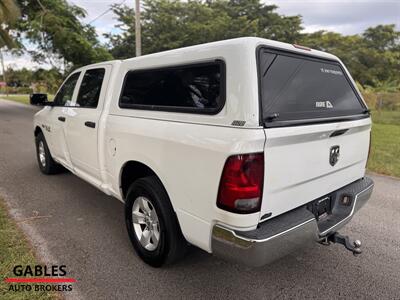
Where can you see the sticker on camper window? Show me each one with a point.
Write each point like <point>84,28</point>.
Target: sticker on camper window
<point>330,71</point>
<point>323,104</point>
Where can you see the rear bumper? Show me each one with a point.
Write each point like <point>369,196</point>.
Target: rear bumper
<point>290,231</point>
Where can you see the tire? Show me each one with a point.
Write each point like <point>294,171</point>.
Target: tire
<point>148,195</point>
<point>46,163</point>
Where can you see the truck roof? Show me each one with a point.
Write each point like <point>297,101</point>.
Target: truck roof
<point>243,42</point>
<point>237,44</point>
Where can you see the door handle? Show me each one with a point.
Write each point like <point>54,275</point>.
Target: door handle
<point>90,124</point>
<point>62,119</point>
<point>338,132</point>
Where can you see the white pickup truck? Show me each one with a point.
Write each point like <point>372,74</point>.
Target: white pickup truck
<point>246,148</point>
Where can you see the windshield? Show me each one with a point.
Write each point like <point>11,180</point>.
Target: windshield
<point>295,87</point>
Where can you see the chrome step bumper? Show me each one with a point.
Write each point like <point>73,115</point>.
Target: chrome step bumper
<point>290,231</point>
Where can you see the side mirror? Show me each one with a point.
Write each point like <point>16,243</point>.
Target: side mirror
<point>39,99</point>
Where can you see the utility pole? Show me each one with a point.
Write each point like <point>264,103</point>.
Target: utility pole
<point>4,71</point>
<point>138,35</point>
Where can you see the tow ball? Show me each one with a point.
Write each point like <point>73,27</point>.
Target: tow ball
<point>354,247</point>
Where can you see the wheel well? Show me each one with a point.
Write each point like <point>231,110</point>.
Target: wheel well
<point>131,171</point>
<point>37,130</point>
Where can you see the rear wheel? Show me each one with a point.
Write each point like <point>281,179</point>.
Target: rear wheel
<point>46,163</point>
<point>152,224</point>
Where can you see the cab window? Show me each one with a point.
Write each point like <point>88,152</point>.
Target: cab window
<point>64,95</point>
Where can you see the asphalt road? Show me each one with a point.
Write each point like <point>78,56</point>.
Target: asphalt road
<point>84,229</point>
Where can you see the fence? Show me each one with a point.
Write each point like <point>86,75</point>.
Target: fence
<point>382,101</point>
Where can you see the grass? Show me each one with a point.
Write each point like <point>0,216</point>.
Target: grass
<point>17,98</point>
<point>385,150</point>
<point>386,117</point>
<point>15,250</point>
<point>22,98</point>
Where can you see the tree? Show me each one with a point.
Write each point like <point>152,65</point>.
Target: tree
<point>53,26</point>
<point>19,78</point>
<point>50,79</point>
<point>169,24</point>
<point>382,38</point>
<point>9,13</point>
<point>23,79</point>
<point>373,57</point>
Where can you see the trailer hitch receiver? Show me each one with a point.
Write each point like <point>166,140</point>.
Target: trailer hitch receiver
<point>354,247</point>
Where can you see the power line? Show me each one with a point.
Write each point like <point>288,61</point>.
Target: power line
<point>105,12</point>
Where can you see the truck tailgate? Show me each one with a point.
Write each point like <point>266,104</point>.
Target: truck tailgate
<point>299,166</point>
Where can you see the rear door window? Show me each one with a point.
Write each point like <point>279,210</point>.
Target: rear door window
<point>295,88</point>
<point>89,91</point>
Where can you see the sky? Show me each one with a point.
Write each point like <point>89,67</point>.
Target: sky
<point>346,17</point>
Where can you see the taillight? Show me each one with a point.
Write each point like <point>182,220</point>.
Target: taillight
<point>241,185</point>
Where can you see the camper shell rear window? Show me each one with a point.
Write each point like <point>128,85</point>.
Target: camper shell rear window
<point>297,89</point>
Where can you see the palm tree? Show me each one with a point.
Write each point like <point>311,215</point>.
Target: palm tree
<point>9,13</point>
